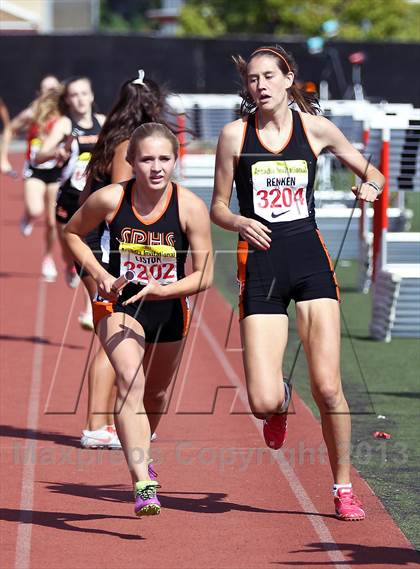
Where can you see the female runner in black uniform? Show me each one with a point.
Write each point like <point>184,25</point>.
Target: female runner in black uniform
<point>79,131</point>
<point>271,155</point>
<point>140,101</point>
<point>152,224</point>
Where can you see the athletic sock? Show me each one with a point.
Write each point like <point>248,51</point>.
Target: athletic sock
<point>286,398</point>
<point>337,487</point>
<point>141,484</point>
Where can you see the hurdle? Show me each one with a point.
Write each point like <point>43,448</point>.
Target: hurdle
<point>396,285</point>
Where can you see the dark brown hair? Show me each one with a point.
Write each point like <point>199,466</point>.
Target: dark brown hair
<point>63,106</point>
<point>307,102</point>
<point>136,105</point>
<point>149,130</point>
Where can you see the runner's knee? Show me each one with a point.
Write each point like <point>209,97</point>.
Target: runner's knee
<point>129,381</point>
<point>34,210</point>
<point>263,405</point>
<point>328,396</point>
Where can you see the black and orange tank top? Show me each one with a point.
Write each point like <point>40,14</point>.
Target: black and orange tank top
<point>158,244</point>
<point>277,187</point>
<point>74,171</point>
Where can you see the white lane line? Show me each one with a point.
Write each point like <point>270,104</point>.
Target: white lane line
<point>298,490</point>
<point>23,540</point>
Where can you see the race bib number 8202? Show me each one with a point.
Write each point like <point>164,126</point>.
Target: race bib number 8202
<point>159,260</point>
<point>279,189</point>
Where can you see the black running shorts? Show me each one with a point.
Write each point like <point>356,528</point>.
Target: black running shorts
<point>161,320</point>
<point>67,205</point>
<point>48,176</point>
<point>295,268</point>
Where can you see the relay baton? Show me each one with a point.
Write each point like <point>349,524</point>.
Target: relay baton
<point>122,280</point>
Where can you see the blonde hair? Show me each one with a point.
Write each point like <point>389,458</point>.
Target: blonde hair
<point>151,129</point>
<point>46,107</point>
<point>307,102</point>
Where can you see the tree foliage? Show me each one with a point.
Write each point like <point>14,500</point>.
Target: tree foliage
<point>127,15</point>
<point>358,19</point>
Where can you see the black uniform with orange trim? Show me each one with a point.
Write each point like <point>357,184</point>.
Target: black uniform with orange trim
<point>160,245</point>
<point>276,188</point>
<point>73,177</point>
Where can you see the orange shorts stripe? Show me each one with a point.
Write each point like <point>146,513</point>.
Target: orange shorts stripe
<point>242,257</point>
<point>329,262</point>
<point>100,309</point>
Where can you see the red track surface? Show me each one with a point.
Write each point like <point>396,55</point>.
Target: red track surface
<point>227,501</point>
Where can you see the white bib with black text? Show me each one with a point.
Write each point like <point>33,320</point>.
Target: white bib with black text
<point>279,190</point>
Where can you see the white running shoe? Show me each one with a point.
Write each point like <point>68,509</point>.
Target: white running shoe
<point>26,226</point>
<point>48,270</point>
<point>101,438</point>
<point>104,438</point>
<point>72,278</point>
<point>86,320</point>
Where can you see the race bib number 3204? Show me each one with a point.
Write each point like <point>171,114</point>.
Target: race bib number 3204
<point>279,189</point>
<point>159,260</point>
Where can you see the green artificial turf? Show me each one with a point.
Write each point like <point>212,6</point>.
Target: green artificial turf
<point>380,379</point>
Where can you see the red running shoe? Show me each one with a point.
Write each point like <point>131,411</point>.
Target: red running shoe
<point>347,506</point>
<point>275,428</point>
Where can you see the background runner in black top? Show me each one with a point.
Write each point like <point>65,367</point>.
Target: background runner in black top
<point>76,104</point>
<point>74,172</point>
<point>73,179</point>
